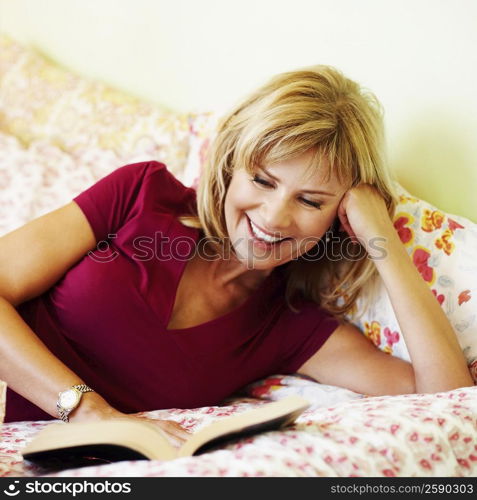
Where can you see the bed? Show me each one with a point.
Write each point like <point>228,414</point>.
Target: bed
<point>59,133</point>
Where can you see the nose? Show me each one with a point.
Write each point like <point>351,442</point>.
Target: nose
<point>276,215</point>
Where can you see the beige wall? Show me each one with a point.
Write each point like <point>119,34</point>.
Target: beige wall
<point>418,56</point>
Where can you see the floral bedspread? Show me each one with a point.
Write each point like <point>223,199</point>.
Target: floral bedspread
<point>408,435</point>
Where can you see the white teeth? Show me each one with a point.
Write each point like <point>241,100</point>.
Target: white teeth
<point>261,235</point>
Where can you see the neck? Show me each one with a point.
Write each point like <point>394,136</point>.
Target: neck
<point>230,273</point>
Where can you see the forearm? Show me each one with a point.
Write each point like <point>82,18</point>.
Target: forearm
<point>436,356</point>
<point>31,370</point>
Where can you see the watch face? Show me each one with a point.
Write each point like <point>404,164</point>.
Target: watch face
<point>68,399</point>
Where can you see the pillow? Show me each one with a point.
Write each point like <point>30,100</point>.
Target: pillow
<point>40,100</point>
<point>277,387</point>
<point>202,131</point>
<point>443,247</point>
<point>39,178</point>
<point>42,177</point>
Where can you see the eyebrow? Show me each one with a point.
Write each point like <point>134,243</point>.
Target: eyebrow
<point>304,191</point>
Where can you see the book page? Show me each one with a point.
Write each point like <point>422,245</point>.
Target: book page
<point>268,417</point>
<point>143,437</point>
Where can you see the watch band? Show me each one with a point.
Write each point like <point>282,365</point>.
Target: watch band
<point>83,388</point>
<point>64,412</point>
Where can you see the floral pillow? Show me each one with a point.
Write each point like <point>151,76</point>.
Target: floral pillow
<point>202,131</point>
<point>443,248</point>
<point>42,177</point>
<point>42,101</point>
<point>280,386</point>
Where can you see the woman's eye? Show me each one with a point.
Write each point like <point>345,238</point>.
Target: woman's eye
<point>262,182</point>
<point>310,203</point>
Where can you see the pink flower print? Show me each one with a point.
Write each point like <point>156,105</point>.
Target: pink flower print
<point>453,225</point>
<point>440,298</point>
<point>463,463</point>
<point>204,149</point>
<point>394,428</point>
<point>405,233</point>
<point>265,386</point>
<point>464,296</point>
<point>414,437</point>
<point>391,337</point>
<point>274,381</point>
<point>425,464</point>
<point>420,258</point>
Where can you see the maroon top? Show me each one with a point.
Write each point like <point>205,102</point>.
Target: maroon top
<point>107,318</point>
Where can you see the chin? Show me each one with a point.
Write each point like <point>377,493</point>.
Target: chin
<point>258,262</point>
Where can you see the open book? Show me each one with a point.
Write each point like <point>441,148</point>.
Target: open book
<point>90,443</point>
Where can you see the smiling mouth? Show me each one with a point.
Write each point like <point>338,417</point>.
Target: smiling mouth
<point>260,236</point>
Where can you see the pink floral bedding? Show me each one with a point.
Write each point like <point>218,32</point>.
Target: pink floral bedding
<point>409,435</point>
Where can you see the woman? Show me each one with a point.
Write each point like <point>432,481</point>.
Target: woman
<point>140,294</point>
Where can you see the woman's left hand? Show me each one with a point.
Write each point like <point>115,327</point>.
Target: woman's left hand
<point>364,215</point>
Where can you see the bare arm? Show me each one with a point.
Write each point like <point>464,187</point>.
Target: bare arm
<point>438,363</point>
<point>436,355</point>
<point>32,371</point>
<point>348,359</point>
<point>34,257</point>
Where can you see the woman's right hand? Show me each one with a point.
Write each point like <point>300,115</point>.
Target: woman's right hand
<point>89,411</point>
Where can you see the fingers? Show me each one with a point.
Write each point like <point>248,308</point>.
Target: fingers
<point>343,217</point>
<point>347,228</point>
<point>173,432</point>
<point>174,429</point>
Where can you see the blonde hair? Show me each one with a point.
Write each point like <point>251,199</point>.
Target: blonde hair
<point>318,109</point>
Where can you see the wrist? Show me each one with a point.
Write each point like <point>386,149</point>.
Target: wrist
<point>92,407</point>
<point>393,257</point>
<point>383,243</point>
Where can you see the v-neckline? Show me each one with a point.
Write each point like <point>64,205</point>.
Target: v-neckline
<point>258,295</point>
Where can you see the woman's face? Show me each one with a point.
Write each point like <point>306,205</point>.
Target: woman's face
<point>280,212</point>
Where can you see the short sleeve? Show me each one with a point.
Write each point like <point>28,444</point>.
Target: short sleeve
<point>119,196</point>
<point>305,332</point>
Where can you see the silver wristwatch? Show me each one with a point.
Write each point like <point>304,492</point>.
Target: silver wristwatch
<point>68,400</point>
